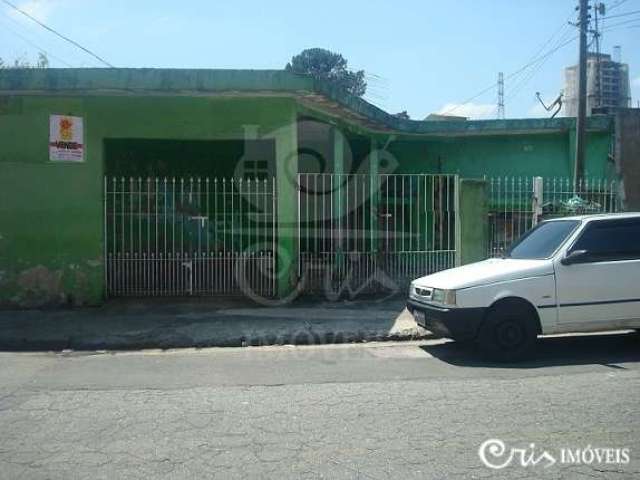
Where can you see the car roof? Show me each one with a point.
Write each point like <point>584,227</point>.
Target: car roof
<point>598,216</point>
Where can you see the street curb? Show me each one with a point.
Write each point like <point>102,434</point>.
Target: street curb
<point>126,344</point>
<point>135,326</point>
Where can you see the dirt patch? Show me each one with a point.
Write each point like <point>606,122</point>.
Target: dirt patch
<point>40,286</point>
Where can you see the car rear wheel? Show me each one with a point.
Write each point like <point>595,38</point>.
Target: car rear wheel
<point>507,334</point>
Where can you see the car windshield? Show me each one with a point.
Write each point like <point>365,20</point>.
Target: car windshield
<point>541,241</point>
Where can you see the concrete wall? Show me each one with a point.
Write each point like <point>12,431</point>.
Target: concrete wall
<point>168,157</point>
<point>51,214</point>
<point>547,155</point>
<point>474,228</point>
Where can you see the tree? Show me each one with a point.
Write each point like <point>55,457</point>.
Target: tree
<point>403,115</point>
<point>42,62</point>
<point>331,66</point>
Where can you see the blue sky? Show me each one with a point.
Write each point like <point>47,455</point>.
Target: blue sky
<point>421,56</point>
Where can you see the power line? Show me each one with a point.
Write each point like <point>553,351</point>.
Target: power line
<point>514,90</point>
<point>546,55</point>
<point>616,5</point>
<point>613,7</point>
<point>616,28</point>
<point>374,103</point>
<point>533,59</point>
<point>33,44</point>
<point>76,44</point>
<point>626,14</point>
<point>518,87</point>
<point>470,99</point>
<point>563,26</point>
<point>513,74</point>
<point>625,22</point>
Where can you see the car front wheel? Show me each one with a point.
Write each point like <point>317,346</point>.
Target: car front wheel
<point>507,334</point>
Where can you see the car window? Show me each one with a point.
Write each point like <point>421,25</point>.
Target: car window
<point>543,240</point>
<point>611,239</point>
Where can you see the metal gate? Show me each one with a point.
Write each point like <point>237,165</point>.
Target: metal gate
<point>517,204</point>
<point>362,233</point>
<point>189,236</point>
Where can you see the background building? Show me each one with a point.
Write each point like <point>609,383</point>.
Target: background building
<point>607,85</point>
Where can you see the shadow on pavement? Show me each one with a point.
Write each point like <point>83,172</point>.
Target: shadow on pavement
<point>133,324</point>
<point>604,349</point>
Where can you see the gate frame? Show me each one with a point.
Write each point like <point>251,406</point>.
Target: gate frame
<point>545,192</point>
<point>203,259</point>
<point>375,201</point>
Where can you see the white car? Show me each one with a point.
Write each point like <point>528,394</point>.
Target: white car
<point>573,274</point>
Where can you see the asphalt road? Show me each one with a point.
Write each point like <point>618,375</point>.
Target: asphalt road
<point>369,411</point>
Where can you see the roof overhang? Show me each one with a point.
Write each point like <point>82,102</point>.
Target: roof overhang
<point>313,95</point>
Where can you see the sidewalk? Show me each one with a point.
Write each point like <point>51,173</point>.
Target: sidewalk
<point>136,324</point>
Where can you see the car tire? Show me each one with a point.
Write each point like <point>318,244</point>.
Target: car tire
<point>508,334</point>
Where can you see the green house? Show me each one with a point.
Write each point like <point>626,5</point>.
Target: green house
<point>175,182</point>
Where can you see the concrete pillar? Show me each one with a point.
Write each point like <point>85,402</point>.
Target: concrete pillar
<point>627,153</point>
<point>473,212</point>
<point>286,140</point>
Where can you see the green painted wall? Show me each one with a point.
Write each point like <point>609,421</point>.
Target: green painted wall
<point>168,158</point>
<point>474,229</point>
<point>51,214</point>
<point>287,207</point>
<point>547,155</point>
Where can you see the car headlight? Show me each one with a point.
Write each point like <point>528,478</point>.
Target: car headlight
<point>446,297</point>
<point>418,292</point>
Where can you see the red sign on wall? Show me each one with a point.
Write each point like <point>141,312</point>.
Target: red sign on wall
<point>66,138</point>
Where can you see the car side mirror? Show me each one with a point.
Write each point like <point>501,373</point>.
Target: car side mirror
<point>575,256</point>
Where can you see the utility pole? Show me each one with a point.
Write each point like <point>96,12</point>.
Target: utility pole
<point>583,21</point>
<point>501,96</point>
<point>596,40</point>
<point>599,10</point>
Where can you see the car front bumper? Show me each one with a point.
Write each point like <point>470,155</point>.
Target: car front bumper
<point>457,323</point>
